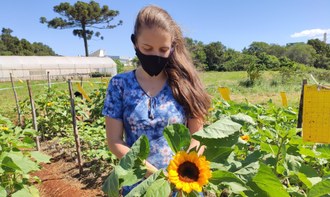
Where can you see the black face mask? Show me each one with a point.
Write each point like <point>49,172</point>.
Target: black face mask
<point>152,64</point>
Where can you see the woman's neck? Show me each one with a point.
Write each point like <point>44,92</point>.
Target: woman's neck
<point>145,76</point>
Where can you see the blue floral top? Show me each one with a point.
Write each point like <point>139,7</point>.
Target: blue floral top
<point>142,114</point>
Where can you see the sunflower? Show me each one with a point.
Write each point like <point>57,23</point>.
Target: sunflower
<point>188,171</point>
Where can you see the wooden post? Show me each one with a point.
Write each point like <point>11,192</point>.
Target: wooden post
<point>300,115</point>
<point>75,130</point>
<point>16,100</point>
<point>34,116</point>
<point>48,78</point>
<point>81,81</point>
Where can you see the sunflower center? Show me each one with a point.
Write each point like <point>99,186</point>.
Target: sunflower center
<point>188,172</point>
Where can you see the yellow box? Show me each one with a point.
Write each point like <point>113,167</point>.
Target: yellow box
<point>316,114</point>
<point>225,93</point>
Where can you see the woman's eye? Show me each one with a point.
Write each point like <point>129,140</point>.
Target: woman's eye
<point>163,50</point>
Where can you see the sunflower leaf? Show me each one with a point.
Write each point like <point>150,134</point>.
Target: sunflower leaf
<point>141,189</point>
<point>177,137</point>
<point>320,189</point>
<point>267,182</point>
<point>223,132</point>
<point>131,168</point>
<point>160,187</point>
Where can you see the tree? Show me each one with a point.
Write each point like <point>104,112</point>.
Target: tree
<point>196,48</point>
<point>11,45</point>
<point>320,47</point>
<point>83,16</point>
<point>301,53</point>
<point>215,56</point>
<point>257,47</point>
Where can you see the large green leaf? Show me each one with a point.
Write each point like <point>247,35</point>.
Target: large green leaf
<point>111,185</point>
<point>320,189</point>
<point>141,189</point>
<point>130,169</point>
<point>177,136</point>
<point>40,157</point>
<point>324,149</point>
<point>242,119</point>
<point>223,132</point>
<point>266,180</point>
<point>24,163</point>
<point>217,154</point>
<point>230,179</point>
<point>3,191</point>
<point>247,172</point>
<point>138,152</point>
<point>160,187</point>
<point>22,193</point>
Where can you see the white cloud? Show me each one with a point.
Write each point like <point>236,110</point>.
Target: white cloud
<point>311,33</point>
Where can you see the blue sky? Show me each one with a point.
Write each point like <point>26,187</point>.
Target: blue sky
<point>235,23</point>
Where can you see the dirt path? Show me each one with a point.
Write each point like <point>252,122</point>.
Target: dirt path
<point>61,178</point>
<point>57,183</point>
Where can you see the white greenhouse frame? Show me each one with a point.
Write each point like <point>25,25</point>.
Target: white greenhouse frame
<point>37,67</point>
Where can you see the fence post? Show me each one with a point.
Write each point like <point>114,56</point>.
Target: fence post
<point>16,100</point>
<point>48,78</point>
<point>301,104</point>
<point>34,116</point>
<point>75,130</point>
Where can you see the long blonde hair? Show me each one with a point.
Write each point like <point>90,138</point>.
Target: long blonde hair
<point>182,75</point>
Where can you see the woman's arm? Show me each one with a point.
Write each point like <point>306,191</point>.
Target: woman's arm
<point>114,130</point>
<point>195,125</point>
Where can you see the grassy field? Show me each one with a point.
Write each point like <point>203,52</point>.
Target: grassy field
<point>267,88</point>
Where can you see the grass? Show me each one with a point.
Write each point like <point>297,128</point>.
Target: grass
<point>269,87</point>
<point>7,99</point>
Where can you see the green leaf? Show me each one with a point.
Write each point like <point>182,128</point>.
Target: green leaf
<point>303,178</point>
<point>293,163</point>
<point>3,191</point>
<point>246,173</point>
<point>141,189</point>
<point>111,185</point>
<point>324,149</point>
<point>130,169</point>
<point>320,189</point>
<point>242,119</point>
<point>266,180</point>
<point>160,187</point>
<point>24,163</point>
<point>22,193</point>
<point>223,132</point>
<point>217,154</point>
<point>138,152</point>
<point>40,157</point>
<point>228,178</point>
<point>177,136</point>
<point>269,148</point>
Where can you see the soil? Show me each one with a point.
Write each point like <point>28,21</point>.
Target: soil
<point>61,177</point>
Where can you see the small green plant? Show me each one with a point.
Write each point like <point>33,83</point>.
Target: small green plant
<point>17,160</point>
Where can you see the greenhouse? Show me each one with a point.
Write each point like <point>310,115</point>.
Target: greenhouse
<point>57,67</point>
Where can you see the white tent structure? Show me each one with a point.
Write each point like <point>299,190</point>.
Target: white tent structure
<point>38,67</point>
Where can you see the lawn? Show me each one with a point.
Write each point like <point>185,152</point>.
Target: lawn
<point>268,87</point>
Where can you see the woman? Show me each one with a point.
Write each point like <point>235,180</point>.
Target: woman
<point>164,90</point>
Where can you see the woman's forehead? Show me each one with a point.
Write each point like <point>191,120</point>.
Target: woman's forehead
<point>154,36</point>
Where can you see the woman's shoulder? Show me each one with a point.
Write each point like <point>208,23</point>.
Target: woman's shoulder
<point>125,75</point>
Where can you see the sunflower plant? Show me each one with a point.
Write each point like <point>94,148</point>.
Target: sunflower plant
<point>188,174</point>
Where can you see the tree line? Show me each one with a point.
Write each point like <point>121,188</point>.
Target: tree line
<point>217,57</point>
<point>11,45</point>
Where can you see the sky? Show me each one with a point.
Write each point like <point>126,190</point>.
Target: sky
<point>234,23</point>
